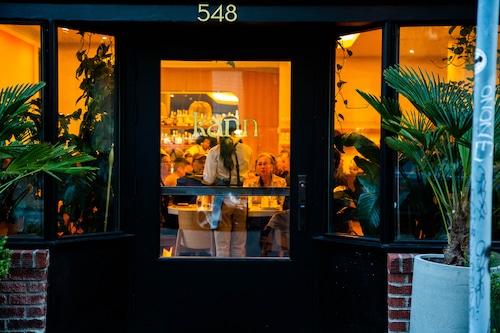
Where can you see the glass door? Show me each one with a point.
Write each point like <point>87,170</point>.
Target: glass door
<point>225,126</point>
<point>229,189</point>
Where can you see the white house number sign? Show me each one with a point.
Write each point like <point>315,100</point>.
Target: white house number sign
<point>221,13</point>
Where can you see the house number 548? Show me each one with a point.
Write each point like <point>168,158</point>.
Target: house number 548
<point>220,13</point>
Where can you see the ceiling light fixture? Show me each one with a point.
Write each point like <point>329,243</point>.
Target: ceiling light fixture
<point>348,40</point>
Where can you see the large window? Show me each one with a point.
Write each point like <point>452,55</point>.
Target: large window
<point>87,121</point>
<point>444,52</point>
<point>225,128</point>
<point>356,189</point>
<point>21,211</point>
<point>447,52</point>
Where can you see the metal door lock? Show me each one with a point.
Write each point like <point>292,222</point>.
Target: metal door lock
<point>302,201</point>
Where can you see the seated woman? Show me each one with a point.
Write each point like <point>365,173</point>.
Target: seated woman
<point>265,166</point>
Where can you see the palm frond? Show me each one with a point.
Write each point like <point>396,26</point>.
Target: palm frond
<point>14,111</point>
<point>446,104</point>
<point>48,158</point>
<point>388,108</point>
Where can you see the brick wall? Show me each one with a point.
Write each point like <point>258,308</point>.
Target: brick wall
<point>23,292</point>
<point>399,280</point>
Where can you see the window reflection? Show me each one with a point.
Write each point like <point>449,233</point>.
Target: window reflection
<point>236,121</point>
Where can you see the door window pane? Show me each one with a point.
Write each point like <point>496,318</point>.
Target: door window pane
<point>356,169</point>
<point>225,128</point>
<point>87,121</point>
<point>21,211</point>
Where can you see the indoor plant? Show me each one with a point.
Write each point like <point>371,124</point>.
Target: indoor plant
<point>436,137</point>
<point>89,208</point>
<point>22,152</point>
<point>367,184</point>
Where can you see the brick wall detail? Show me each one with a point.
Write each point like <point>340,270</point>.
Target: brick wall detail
<point>23,292</point>
<point>399,283</point>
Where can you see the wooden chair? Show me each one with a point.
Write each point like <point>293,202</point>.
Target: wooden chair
<point>194,236</point>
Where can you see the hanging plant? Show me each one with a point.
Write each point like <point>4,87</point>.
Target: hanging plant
<point>463,48</point>
<point>346,54</point>
<point>97,75</point>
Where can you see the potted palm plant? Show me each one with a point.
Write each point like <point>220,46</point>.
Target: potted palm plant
<point>24,155</point>
<point>436,137</point>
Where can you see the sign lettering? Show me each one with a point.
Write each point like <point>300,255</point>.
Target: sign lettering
<point>214,126</point>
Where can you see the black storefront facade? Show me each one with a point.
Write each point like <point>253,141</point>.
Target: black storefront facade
<point>115,281</point>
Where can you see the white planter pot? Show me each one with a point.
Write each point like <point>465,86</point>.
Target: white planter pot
<point>440,296</point>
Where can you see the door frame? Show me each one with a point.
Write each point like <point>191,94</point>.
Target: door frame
<point>237,291</point>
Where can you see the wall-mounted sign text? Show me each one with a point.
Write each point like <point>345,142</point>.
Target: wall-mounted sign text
<point>221,13</point>
<point>213,127</point>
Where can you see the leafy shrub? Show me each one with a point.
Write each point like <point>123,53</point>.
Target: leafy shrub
<point>495,302</point>
<point>5,255</point>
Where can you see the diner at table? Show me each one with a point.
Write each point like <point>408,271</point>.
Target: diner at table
<point>265,166</point>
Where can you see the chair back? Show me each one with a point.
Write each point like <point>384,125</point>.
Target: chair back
<point>194,233</point>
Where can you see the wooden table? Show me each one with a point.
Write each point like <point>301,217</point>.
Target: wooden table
<point>253,211</point>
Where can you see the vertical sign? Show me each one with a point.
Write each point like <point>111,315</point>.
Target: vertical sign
<point>482,165</point>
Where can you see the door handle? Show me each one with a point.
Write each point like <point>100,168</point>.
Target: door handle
<point>302,221</point>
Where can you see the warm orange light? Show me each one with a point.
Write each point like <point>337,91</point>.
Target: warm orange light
<point>167,251</point>
<point>347,40</point>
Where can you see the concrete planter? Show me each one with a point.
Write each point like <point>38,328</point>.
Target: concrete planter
<point>440,296</point>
